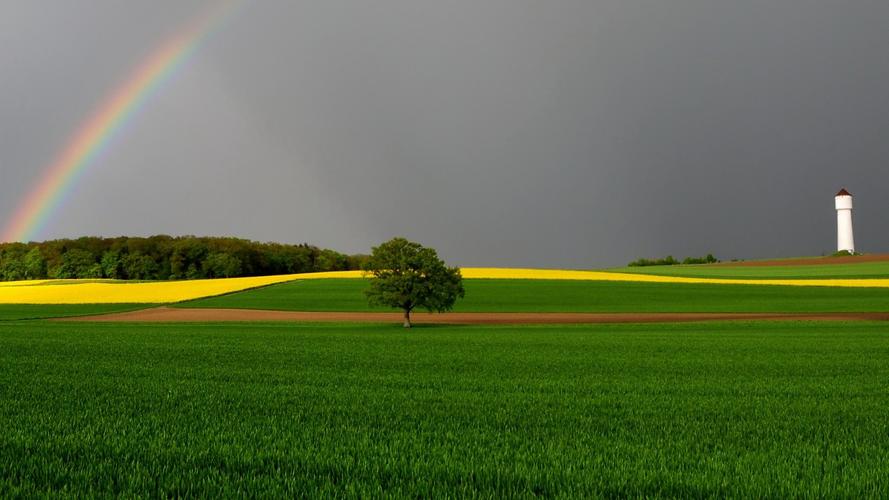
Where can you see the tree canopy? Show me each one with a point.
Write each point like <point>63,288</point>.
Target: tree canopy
<point>165,257</point>
<point>407,275</point>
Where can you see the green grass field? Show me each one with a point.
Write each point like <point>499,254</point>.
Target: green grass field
<point>11,312</point>
<point>826,271</point>
<point>570,296</point>
<point>720,409</point>
<point>745,409</point>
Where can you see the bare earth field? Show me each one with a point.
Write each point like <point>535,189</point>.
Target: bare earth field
<point>809,261</point>
<point>169,314</point>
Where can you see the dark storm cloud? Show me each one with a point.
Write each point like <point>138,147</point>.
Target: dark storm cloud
<point>559,133</point>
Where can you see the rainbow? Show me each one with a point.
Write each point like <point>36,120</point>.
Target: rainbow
<point>96,133</point>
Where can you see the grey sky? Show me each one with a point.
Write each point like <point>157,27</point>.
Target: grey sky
<point>554,133</point>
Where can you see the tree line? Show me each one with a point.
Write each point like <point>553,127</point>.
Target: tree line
<point>670,261</point>
<point>165,258</point>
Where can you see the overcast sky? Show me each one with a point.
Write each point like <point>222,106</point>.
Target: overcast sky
<point>557,133</point>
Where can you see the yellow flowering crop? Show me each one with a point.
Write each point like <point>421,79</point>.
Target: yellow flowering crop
<point>23,283</point>
<point>109,291</point>
<point>557,274</point>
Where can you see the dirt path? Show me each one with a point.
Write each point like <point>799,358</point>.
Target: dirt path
<point>177,315</point>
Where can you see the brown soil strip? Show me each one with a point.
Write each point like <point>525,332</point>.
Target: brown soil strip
<point>177,315</point>
<point>809,261</point>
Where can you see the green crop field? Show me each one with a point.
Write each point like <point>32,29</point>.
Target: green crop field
<point>10,312</point>
<point>719,409</point>
<point>826,271</point>
<point>571,296</point>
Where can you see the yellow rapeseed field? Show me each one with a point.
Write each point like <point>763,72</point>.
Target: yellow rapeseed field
<point>122,292</point>
<point>556,274</point>
<point>23,283</point>
<point>156,292</point>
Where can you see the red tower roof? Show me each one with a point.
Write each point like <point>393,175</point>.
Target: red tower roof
<point>843,192</point>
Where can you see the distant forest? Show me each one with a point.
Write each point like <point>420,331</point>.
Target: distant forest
<point>165,258</point>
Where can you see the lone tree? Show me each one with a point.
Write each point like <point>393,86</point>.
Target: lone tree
<point>407,275</point>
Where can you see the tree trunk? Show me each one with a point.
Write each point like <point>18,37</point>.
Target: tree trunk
<point>407,318</point>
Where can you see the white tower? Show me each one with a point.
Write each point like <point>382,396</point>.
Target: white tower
<point>845,240</point>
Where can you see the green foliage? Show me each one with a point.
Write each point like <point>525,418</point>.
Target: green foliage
<point>112,265</point>
<point>722,410</point>
<point>670,261</point>
<point>165,257</point>
<point>137,266</point>
<point>333,261</point>
<point>75,263</point>
<point>12,269</point>
<point>666,261</point>
<point>93,272</point>
<point>708,259</point>
<point>407,275</point>
<point>845,253</point>
<point>221,265</point>
<point>483,295</point>
<point>34,264</point>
